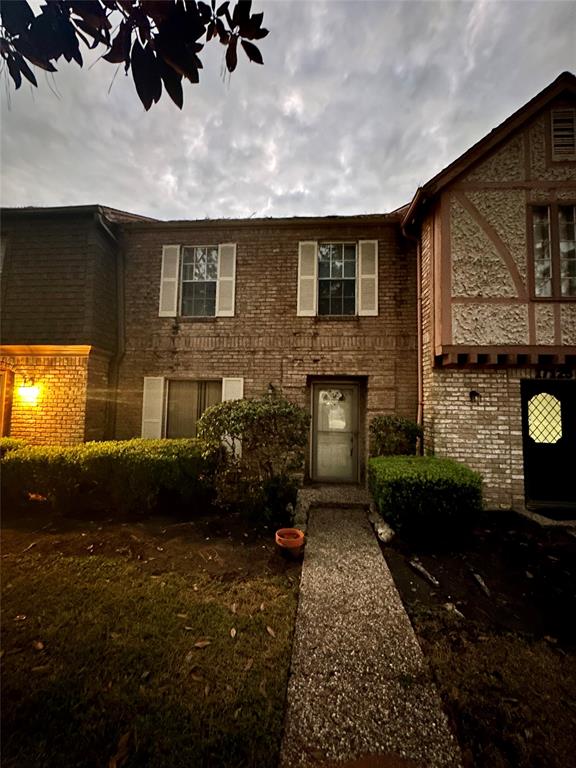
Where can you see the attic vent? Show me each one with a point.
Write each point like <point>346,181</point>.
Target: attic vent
<point>564,134</point>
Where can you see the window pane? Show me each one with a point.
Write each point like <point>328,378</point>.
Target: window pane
<point>349,289</point>
<point>568,268</point>
<point>324,306</point>
<point>568,286</point>
<point>542,270</point>
<point>323,267</point>
<point>349,252</point>
<point>350,269</point>
<point>187,401</point>
<point>543,288</point>
<point>182,409</point>
<point>337,267</point>
<point>212,264</point>
<point>349,306</point>
<point>336,289</point>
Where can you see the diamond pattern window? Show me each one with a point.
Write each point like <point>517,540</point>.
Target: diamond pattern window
<point>544,418</point>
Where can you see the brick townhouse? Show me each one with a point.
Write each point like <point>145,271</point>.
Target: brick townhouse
<point>458,310</point>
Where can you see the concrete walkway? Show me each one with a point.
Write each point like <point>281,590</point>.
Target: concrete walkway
<point>359,686</point>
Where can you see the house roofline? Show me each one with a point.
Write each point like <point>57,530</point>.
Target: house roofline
<point>565,82</point>
<point>114,215</point>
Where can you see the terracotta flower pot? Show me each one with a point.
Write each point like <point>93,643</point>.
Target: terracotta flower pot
<point>290,541</point>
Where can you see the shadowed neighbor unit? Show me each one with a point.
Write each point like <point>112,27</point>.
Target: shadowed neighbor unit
<point>458,310</point>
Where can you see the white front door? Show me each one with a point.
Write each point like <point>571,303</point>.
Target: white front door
<point>335,432</point>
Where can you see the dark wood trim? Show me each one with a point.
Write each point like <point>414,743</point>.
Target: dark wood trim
<point>479,186</point>
<point>439,309</point>
<point>6,390</point>
<point>505,356</point>
<point>446,268</point>
<point>496,240</point>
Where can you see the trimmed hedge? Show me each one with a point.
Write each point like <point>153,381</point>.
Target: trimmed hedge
<point>124,477</point>
<point>8,444</point>
<point>425,497</point>
<point>394,436</point>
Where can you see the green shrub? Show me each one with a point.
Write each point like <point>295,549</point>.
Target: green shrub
<point>8,444</point>
<point>424,497</point>
<point>119,477</point>
<point>258,446</point>
<point>393,436</point>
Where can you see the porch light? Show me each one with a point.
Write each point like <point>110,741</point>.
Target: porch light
<point>29,392</point>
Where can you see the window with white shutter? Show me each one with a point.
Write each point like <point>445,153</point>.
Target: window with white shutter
<point>172,407</point>
<point>338,279</point>
<point>563,127</point>
<point>198,281</point>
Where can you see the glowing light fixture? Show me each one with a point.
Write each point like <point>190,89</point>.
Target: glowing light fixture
<point>29,392</point>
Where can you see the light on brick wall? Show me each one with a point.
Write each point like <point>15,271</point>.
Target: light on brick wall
<point>29,392</point>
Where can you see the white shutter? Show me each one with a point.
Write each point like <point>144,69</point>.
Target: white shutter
<point>232,389</point>
<point>225,288</point>
<point>169,281</point>
<point>153,407</point>
<point>368,277</point>
<point>307,278</point>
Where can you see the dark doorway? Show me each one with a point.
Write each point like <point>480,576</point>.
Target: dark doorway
<point>549,437</point>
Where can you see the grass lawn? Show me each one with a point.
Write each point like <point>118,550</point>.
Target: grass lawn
<point>143,644</point>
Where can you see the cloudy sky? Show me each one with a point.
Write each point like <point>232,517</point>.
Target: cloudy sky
<point>356,105</point>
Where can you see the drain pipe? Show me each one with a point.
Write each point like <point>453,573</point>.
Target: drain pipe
<point>419,343</point>
<point>114,370</point>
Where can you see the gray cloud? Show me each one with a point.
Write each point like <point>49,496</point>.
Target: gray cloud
<point>357,104</point>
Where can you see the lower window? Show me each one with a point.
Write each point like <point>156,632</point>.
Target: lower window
<point>187,401</point>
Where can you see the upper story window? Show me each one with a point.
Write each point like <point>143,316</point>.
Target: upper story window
<point>563,134</point>
<point>554,250</point>
<point>198,281</point>
<point>337,279</point>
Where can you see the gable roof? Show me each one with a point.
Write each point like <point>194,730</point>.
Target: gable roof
<point>564,84</point>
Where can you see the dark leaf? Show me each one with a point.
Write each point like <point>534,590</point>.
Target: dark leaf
<point>16,16</point>
<point>157,9</point>
<point>251,29</point>
<point>4,45</point>
<point>25,69</point>
<point>146,75</point>
<point>223,8</point>
<point>231,54</point>
<point>92,13</point>
<point>96,34</point>
<point>28,51</point>
<point>14,71</point>
<point>222,33</point>
<point>120,50</point>
<point>210,31</point>
<point>205,11</point>
<point>252,52</point>
<point>172,82</point>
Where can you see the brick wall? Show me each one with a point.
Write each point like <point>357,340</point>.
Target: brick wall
<point>266,342</point>
<point>58,281</point>
<point>58,415</point>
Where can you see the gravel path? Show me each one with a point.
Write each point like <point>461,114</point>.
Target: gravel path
<point>359,685</point>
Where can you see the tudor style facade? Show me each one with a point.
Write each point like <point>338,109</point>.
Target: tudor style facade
<point>458,310</point>
<point>497,264</point>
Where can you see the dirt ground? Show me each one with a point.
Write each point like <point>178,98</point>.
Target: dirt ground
<point>224,547</point>
<point>499,632</point>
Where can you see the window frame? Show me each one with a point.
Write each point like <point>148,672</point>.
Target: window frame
<point>181,282</point>
<point>341,243</point>
<point>554,227</point>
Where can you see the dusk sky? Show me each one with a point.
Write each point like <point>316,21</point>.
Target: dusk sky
<point>357,104</point>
